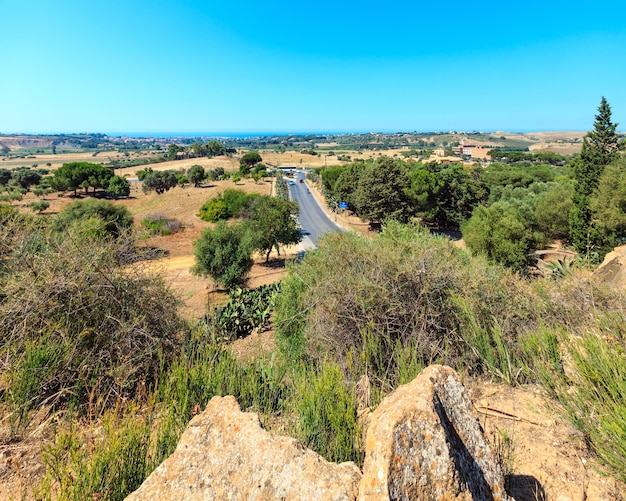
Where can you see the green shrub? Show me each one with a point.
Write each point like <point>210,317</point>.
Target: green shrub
<point>326,410</point>
<point>357,300</point>
<point>397,285</point>
<point>225,253</point>
<point>246,309</point>
<point>110,457</point>
<point>11,196</point>
<point>39,206</point>
<point>230,203</point>
<point>99,328</point>
<point>107,465</point>
<point>503,232</point>
<point>159,224</point>
<point>118,187</point>
<point>116,218</point>
<point>214,210</point>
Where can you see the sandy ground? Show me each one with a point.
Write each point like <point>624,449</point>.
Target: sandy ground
<point>546,457</point>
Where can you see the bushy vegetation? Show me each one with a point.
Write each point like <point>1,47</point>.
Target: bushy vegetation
<point>121,163</point>
<point>101,340</point>
<point>600,148</point>
<point>608,208</point>
<point>245,310</point>
<point>39,206</point>
<point>159,181</point>
<point>79,329</point>
<point>118,187</point>
<point>75,175</point>
<point>515,205</point>
<point>403,288</point>
<point>382,308</point>
<point>159,224</point>
<point>111,219</point>
<point>360,301</point>
<point>225,253</point>
<point>273,222</point>
<point>282,188</point>
<point>248,161</point>
<point>228,204</point>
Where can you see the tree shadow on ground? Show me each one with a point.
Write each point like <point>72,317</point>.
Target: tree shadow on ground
<point>277,262</point>
<point>150,253</point>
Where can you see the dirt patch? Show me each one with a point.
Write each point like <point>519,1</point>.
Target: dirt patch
<point>546,457</point>
<point>21,458</point>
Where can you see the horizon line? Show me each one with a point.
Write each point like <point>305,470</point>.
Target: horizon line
<point>163,134</point>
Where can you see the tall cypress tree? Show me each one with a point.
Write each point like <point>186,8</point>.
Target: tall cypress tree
<point>600,147</point>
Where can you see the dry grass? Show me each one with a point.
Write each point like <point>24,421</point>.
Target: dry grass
<point>56,160</point>
<point>181,204</point>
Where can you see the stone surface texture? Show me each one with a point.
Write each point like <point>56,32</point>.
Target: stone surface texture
<point>612,271</point>
<point>225,454</point>
<point>424,442</point>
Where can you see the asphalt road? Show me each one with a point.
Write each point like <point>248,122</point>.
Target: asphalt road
<point>313,219</point>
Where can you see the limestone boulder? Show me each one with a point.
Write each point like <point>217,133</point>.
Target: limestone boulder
<point>612,271</point>
<point>424,442</point>
<point>225,454</point>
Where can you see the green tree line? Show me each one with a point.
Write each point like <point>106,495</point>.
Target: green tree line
<point>505,210</point>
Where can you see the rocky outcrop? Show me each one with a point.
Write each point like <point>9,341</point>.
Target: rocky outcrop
<point>424,442</point>
<point>225,454</point>
<point>612,271</point>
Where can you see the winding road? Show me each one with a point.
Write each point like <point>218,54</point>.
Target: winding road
<point>313,219</point>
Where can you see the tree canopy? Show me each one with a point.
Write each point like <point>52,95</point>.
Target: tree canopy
<point>274,222</point>
<point>26,177</point>
<point>75,175</point>
<point>225,253</point>
<point>600,147</point>
<point>381,192</point>
<point>196,175</point>
<point>502,232</point>
<point>608,207</point>
<point>160,181</point>
<point>249,160</point>
<point>119,187</point>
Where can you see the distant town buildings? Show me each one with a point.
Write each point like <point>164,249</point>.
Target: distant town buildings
<point>471,151</point>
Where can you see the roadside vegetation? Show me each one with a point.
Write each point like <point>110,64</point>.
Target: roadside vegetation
<point>519,203</point>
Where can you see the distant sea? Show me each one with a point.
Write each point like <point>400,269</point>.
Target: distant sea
<point>214,134</point>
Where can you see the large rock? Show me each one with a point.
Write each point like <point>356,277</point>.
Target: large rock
<point>225,454</point>
<point>424,442</point>
<point>612,271</point>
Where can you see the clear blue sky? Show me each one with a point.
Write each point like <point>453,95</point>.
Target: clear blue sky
<point>287,66</point>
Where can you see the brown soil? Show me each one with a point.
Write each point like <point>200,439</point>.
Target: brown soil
<point>546,457</point>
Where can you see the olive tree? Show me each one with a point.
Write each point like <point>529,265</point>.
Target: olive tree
<point>160,181</point>
<point>196,175</point>
<point>225,253</point>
